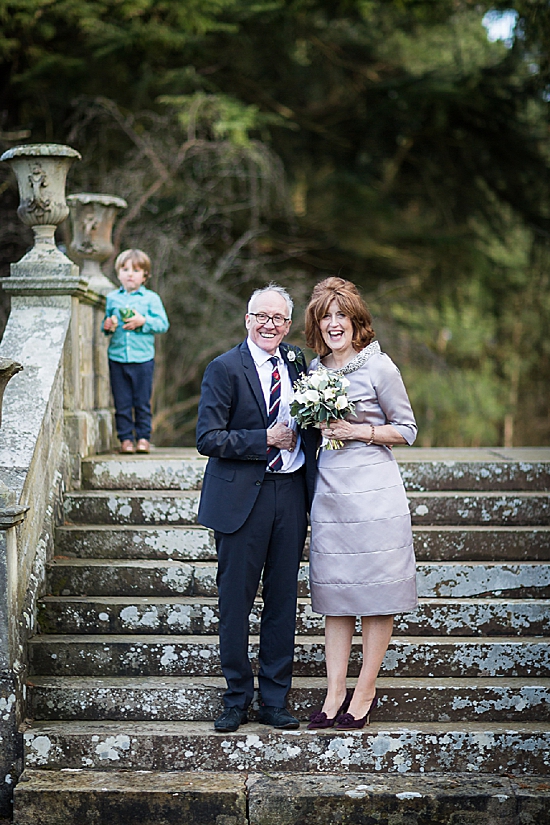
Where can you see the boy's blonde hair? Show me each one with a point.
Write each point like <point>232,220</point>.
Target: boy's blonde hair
<point>137,257</point>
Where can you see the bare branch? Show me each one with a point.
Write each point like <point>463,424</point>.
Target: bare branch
<point>227,261</point>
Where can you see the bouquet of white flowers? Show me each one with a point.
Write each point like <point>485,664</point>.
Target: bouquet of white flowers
<point>318,397</point>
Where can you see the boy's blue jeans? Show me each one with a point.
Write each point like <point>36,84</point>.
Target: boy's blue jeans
<point>132,385</point>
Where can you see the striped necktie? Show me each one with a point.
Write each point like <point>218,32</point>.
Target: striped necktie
<point>274,460</point>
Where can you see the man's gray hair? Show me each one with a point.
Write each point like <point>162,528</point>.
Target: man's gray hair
<point>272,288</point>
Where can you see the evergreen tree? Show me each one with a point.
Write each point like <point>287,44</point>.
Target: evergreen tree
<point>390,142</point>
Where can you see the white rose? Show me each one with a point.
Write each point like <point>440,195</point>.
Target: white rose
<point>341,402</point>
<point>344,381</point>
<point>329,393</point>
<point>312,395</point>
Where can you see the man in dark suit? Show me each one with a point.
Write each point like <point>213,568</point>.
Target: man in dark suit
<point>254,497</point>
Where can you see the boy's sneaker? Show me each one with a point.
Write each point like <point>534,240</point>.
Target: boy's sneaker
<point>142,446</point>
<point>127,446</point>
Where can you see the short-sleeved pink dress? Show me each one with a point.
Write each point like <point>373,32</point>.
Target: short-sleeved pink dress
<point>361,558</point>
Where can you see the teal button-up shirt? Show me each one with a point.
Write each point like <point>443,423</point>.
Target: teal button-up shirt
<point>138,345</point>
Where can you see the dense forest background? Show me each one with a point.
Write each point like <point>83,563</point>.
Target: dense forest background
<point>393,143</point>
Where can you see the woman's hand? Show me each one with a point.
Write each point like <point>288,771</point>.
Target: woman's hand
<point>384,435</point>
<point>339,430</point>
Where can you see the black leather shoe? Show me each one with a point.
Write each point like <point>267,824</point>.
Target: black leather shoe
<point>278,718</point>
<point>230,720</point>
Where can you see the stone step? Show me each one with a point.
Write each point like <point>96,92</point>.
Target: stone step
<point>146,577</point>
<point>180,507</point>
<point>143,655</point>
<point>422,470</point>
<point>173,797</point>
<point>448,469</point>
<point>129,798</point>
<point>176,797</point>
<point>393,799</point>
<point>188,543</point>
<point>68,577</point>
<point>409,799</point>
<point>498,748</point>
<point>180,469</point>
<point>480,508</point>
<point>180,543</point>
<point>200,699</point>
<point>477,543</point>
<point>200,616</point>
<point>131,507</point>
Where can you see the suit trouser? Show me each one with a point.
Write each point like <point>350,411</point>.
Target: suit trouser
<point>271,540</point>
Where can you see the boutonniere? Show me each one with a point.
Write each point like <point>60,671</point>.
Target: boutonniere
<point>295,355</point>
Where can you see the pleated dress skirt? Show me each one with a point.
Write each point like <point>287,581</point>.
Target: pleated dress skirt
<point>361,558</point>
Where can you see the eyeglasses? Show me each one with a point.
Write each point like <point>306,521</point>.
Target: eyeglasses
<point>263,318</point>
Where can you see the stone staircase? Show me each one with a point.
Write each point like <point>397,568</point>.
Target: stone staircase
<point>125,676</point>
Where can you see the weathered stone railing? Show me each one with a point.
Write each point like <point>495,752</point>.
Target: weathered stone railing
<point>56,411</point>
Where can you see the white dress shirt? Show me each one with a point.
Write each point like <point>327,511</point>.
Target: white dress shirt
<point>291,461</point>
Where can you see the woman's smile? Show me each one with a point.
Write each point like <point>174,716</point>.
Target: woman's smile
<point>337,329</point>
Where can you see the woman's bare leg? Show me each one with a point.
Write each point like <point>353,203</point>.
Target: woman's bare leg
<point>377,631</point>
<point>338,635</point>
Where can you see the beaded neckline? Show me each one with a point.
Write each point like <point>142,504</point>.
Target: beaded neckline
<point>358,360</point>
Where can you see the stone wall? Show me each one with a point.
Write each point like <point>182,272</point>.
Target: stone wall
<point>55,412</point>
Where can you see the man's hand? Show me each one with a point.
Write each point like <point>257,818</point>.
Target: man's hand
<point>282,437</point>
<point>134,322</point>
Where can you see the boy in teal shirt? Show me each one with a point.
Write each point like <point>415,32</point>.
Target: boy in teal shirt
<point>133,316</point>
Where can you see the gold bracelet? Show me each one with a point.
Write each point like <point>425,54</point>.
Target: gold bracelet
<point>371,439</point>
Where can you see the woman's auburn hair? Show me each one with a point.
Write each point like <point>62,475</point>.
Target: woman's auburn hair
<point>350,302</point>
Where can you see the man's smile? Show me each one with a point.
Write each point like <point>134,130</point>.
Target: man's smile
<point>268,335</point>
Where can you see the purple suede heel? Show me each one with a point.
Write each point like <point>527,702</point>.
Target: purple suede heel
<point>319,720</point>
<point>348,722</point>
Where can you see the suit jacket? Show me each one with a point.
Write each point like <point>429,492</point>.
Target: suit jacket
<point>231,430</point>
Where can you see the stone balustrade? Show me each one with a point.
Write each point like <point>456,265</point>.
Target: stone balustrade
<point>56,411</point>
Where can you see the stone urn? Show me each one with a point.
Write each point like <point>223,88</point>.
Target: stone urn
<point>41,171</point>
<point>92,218</point>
